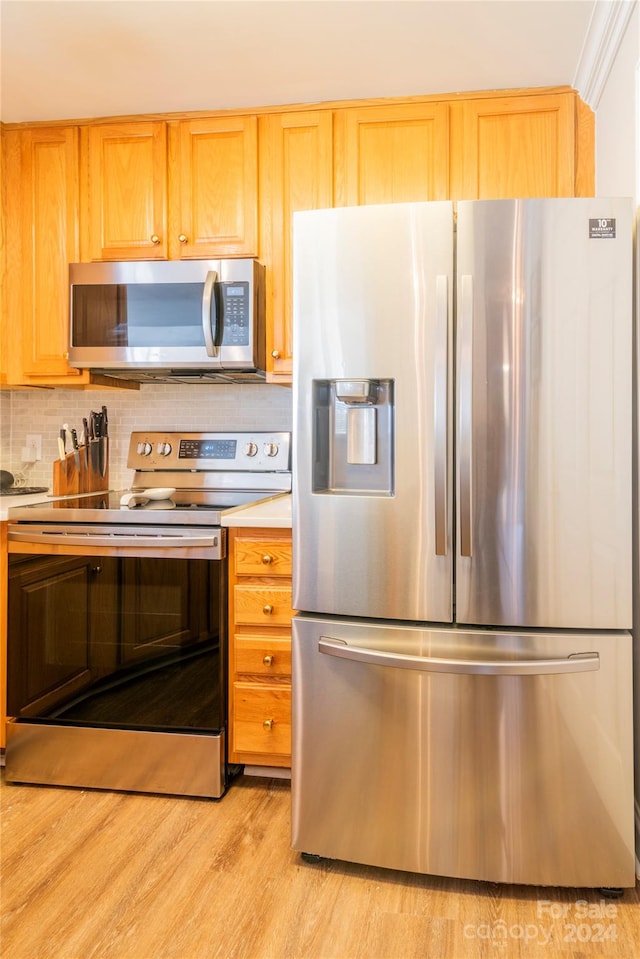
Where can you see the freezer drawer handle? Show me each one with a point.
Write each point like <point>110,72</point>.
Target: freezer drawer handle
<point>575,663</point>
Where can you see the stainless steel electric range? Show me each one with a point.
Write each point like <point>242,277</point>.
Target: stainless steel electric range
<point>117,618</point>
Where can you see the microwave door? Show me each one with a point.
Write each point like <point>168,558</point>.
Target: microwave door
<point>210,313</point>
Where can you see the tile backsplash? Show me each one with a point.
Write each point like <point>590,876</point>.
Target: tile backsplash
<point>161,407</point>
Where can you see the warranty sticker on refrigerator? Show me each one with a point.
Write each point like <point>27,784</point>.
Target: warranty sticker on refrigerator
<point>603,228</point>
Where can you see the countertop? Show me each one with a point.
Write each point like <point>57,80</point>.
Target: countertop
<point>274,513</point>
<point>6,502</point>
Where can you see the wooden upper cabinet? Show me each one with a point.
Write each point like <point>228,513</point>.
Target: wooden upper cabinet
<point>124,191</point>
<point>213,188</point>
<point>296,173</point>
<point>4,323</point>
<point>170,189</point>
<point>516,146</point>
<point>42,170</point>
<point>392,154</point>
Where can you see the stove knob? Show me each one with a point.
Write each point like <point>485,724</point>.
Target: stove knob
<point>143,449</point>
<point>163,449</point>
<point>251,449</point>
<point>271,449</point>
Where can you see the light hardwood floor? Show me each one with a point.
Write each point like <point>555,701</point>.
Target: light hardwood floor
<point>98,875</point>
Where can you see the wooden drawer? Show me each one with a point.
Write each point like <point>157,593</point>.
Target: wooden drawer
<point>263,656</point>
<point>262,557</point>
<point>262,719</point>
<point>262,605</point>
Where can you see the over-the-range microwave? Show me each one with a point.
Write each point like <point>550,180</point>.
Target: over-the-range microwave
<point>187,321</point>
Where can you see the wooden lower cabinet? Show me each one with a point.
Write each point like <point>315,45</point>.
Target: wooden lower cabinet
<point>260,646</point>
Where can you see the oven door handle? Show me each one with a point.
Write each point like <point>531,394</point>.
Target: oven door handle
<point>210,541</point>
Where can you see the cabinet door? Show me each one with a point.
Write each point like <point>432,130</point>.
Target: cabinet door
<point>521,146</point>
<point>4,325</point>
<point>392,154</point>
<point>124,192</point>
<point>296,170</point>
<point>42,239</point>
<point>213,182</point>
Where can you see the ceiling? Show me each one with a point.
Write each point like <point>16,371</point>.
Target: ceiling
<point>70,59</point>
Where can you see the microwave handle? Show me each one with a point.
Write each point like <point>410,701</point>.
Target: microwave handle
<point>210,314</point>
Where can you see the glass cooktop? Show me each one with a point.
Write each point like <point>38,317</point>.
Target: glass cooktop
<point>204,509</point>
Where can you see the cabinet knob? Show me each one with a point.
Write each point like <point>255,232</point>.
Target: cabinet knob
<point>275,354</point>
<point>183,238</point>
<point>96,569</point>
<point>269,723</point>
<point>266,559</point>
<point>155,239</point>
<point>267,610</point>
<point>268,660</point>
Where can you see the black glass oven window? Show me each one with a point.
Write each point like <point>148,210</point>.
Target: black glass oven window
<point>130,643</point>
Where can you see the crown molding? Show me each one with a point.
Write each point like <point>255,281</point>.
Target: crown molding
<point>607,26</point>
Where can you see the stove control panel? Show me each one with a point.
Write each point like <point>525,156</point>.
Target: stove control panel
<point>253,452</point>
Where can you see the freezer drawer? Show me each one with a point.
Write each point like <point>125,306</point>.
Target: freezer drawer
<point>499,756</point>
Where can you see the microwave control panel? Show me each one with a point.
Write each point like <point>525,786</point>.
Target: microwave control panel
<point>236,313</point>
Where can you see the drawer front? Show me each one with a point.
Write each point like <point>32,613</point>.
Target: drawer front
<point>263,656</point>
<point>262,557</point>
<point>262,605</point>
<point>262,719</point>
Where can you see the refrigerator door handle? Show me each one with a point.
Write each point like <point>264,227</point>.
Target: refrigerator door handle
<point>440,414</point>
<point>575,663</point>
<point>465,420</point>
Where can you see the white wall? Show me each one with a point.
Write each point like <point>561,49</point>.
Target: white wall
<point>618,120</point>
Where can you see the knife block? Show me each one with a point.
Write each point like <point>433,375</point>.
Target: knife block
<point>86,470</point>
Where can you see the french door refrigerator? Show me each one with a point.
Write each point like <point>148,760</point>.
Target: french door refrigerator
<point>462,662</point>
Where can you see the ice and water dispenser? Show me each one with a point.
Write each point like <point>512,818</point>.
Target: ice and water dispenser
<point>353,438</point>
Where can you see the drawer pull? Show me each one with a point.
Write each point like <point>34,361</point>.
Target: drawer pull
<point>269,723</point>
<point>267,610</point>
<point>266,559</point>
<point>268,660</point>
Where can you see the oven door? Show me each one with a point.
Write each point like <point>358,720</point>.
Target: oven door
<point>117,658</point>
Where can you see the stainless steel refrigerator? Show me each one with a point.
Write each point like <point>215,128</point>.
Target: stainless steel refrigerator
<point>462,661</point>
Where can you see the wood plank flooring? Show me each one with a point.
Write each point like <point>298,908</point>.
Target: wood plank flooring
<point>98,875</point>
